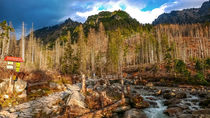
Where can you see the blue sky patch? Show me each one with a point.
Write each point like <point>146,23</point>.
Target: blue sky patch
<point>122,6</point>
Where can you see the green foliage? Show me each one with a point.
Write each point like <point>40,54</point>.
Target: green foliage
<point>199,78</point>
<point>179,66</point>
<point>112,21</point>
<point>207,63</point>
<point>115,47</point>
<point>69,62</point>
<point>4,26</point>
<point>198,65</point>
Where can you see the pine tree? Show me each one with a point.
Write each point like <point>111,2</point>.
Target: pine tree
<point>82,51</point>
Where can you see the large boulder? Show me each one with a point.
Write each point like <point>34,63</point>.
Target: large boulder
<point>138,102</point>
<point>20,86</point>
<point>76,99</point>
<point>174,111</point>
<point>134,113</point>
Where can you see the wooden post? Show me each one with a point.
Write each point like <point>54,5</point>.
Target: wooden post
<point>83,84</point>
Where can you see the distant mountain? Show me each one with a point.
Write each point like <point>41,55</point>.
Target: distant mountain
<point>50,34</point>
<point>110,20</point>
<point>186,16</point>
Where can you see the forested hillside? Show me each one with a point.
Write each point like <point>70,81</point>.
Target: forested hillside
<point>111,41</point>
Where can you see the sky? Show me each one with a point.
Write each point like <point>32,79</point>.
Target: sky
<point>44,13</point>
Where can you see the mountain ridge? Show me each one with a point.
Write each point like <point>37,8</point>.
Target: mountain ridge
<point>186,16</point>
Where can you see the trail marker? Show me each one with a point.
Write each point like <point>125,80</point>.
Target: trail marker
<point>10,62</point>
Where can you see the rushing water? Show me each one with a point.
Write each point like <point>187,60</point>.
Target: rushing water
<point>155,112</point>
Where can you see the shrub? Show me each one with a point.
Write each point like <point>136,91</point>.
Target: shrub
<point>180,66</point>
<point>199,79</point>
<point>198,65</point>
<point>207,63</point>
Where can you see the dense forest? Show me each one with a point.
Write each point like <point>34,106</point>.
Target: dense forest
<point>98,47</point>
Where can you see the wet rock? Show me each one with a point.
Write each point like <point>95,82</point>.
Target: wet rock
<point>205,103</point>
<point>134,113</point>
<point>143,104</point>
<point>20,85</point>
<point>138,102</point>
<point>172,102</point>
<point>169,95</point>
<point>173,111</point>
<point>181,95</point>
<point>202,95</point>
<point>153,104</point>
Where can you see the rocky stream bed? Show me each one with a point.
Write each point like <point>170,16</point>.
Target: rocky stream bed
<point>141,101</point>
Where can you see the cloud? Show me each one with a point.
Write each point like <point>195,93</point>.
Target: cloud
<point>134,11</point>
<point>184,4</point>
<point>138,11</point>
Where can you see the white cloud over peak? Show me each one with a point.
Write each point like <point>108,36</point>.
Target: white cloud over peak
<point>134,11</point>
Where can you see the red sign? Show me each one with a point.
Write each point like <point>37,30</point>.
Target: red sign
<point>15,59</point>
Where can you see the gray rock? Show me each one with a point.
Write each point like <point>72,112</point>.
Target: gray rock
<point>47,111</point>
<point>12,110</point>
<point>20,86</point>
<point>53,85</point>
<point>73,87</point>
<point>76,99</point>
<point>6,114</point>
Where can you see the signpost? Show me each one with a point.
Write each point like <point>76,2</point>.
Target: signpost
<point>13,63</point>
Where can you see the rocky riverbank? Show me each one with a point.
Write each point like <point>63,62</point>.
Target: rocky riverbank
<point>105,99</point>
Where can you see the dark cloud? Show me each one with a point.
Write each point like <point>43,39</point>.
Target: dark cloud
<point>40,12</point>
